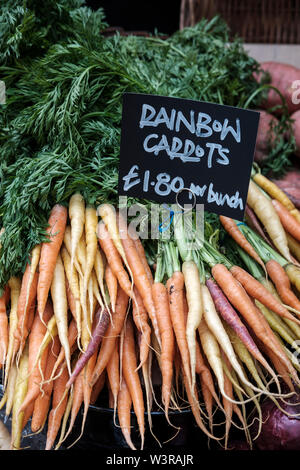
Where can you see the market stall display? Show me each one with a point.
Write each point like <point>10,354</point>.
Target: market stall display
<point>89,312</point>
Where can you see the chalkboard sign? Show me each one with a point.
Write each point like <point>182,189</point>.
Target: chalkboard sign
<point>169,144</point>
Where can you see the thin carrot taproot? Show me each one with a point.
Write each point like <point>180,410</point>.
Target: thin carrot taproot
<point>36,371</point>
<point>113,331</point>
<point>257,290</point>
<point>49,252</point>
<point>42,402</point>
<point>290,224</point>
<point>129,365</point>
<point>233,230</point>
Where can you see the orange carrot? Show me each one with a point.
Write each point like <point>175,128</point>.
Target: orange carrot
<point>140,318</point>
<point>97,388</point>
<point>76,402</point>
<point>114,259</point>
<point>113,331</point>
<point>112,285</point>
<point>129,365</point>
<point>27,414</point>
<point>36,370</point>
<point>282,284</point>
<point>208,401</point>
<point>24,304</point>
<point>233,230</point>
<point>27,298</point>
<point>289,223</point>
<point>3,325</point>
<point>175,286</point>
<point>239,298</point>
<point>124,407</point>
<point>278,365</point>
<point>57,225</point>
<point>59,403</point>
<point>42,402</point>
<point>139,274</point>
<point>161,302</point>
<point>193,401</point>
<point>205,374</point>
<point>261,293</point>
<point>113,373</point>
<point>141,251</point>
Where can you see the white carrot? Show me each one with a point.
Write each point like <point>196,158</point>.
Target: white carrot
<point>77,219</point>
<point>60,307</point>
<point>195,310</point>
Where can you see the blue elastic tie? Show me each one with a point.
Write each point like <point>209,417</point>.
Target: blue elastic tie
<point>161,228</point>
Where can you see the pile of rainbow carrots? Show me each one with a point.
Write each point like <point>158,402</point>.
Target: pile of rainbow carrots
<point>221,323</point>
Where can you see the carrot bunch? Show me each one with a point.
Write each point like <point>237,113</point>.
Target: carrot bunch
<point>90,320</point>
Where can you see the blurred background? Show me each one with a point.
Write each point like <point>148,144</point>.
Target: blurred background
<point>270,28</point>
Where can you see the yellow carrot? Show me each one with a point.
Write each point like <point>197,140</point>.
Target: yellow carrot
<point>265,211</point>
<point>19,395</point>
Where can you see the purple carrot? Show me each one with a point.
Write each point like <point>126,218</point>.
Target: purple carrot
<point>255,225</point>
<point>226,310</point>
<point>102,320</point>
